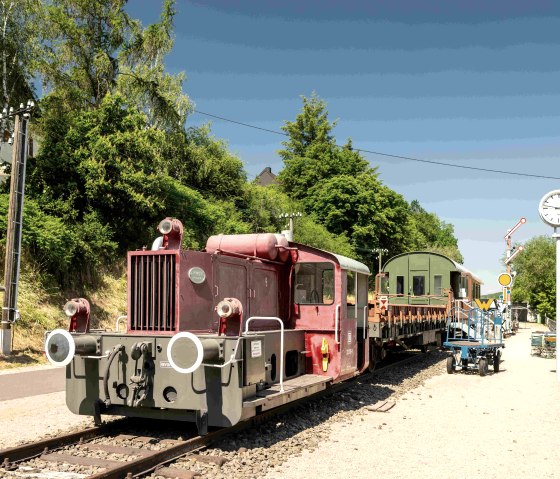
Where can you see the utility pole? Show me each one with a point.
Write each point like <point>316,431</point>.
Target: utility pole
<point>10,312</point>
<point>380,252</point>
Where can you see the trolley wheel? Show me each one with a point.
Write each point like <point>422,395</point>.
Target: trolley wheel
<point>483,366</point>
<point>496,362</point>
<point>450,365</point>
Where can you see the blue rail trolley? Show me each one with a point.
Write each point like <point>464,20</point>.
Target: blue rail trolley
<point>474,338</point>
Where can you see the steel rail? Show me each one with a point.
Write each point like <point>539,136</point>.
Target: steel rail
<point>29,451</point>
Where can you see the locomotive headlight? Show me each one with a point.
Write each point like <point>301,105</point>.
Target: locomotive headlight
<point>224,309</point>
<point>165,226</point>
<point>71,308</point>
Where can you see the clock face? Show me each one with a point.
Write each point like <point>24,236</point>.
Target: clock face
<point>549,208</point>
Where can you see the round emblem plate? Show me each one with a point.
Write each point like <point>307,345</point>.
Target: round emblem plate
<point>197,275</point>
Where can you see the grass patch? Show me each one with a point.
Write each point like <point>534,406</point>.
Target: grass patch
<point>40,303</point>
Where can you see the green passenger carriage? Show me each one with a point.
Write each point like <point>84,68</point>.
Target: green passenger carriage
<point>425,277</point>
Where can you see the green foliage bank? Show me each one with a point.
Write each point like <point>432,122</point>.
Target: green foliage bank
<point>117,154</point>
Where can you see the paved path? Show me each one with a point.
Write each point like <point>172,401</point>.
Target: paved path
<point>19,384</point>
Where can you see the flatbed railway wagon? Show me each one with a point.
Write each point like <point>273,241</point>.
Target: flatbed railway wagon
<point>216,336</point>
<point>415,295</point>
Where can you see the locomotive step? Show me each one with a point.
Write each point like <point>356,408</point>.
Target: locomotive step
<point>294,389</point>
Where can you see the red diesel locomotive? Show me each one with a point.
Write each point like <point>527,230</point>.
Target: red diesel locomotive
<point>214,337</point>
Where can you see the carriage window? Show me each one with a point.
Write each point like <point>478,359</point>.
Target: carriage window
<point>463,287</point>
<point>476,290</point>
<point>314,283</point>
<point>384,284</point>
<point>400,284</point>
<point>418,285</point>
<point>437,284</point>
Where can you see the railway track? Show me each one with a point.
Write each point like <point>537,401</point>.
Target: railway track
<point>112,452</point>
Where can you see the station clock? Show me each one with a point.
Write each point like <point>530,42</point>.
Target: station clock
<point>549,208</point>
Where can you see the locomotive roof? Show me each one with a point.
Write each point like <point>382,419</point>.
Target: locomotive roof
<point>458,267</point>
<point>351,264</point>
<point>343,261</point>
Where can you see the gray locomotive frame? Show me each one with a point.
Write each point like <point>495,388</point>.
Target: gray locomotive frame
<point>140,381</point>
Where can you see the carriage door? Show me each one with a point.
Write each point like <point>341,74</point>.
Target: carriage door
<point>418,279</point>
<point>348,323</point>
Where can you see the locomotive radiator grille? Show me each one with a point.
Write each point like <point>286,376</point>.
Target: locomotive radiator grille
<point>152,302</point>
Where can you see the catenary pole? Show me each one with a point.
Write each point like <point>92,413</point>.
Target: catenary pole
<point>15,227</point>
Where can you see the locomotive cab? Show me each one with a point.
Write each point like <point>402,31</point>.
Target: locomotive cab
<point>330,304</point>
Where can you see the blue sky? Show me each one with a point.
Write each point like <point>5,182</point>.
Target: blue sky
<point>470,83</point>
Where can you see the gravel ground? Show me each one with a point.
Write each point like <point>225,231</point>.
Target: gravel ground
<point>28,419</point>
<point>502,425</point>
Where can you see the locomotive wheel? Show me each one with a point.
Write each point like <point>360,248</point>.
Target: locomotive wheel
<point>371,365</point>
<point>451,365</point>
<point>483,366</point>
<point>496,363</point>
<point>372,358</point>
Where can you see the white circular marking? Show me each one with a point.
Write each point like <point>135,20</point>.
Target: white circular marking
<point>199,352</point>
<point>71,347</point>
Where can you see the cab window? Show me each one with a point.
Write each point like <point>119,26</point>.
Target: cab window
<point>314,283</point>
<point>351,294</point>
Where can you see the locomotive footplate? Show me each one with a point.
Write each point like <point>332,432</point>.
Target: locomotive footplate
<point>293,389</point>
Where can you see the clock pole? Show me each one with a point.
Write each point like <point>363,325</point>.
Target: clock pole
<point>556,235</point>
<point>549,211</point>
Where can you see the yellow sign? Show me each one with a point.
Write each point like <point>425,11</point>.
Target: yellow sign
<point>484,305</point>
<point>504,279</point>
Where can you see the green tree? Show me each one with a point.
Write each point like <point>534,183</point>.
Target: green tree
<point>202,161</point>
<point>535,281</point>
<point>18,47</point>
<point>338,187</point>
<point>142,77</point>
<point>92,48</point>
<point>433,234</point>
<point>311,153</point>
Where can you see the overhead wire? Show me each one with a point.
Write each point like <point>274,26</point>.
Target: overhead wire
<point>389,155</point>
